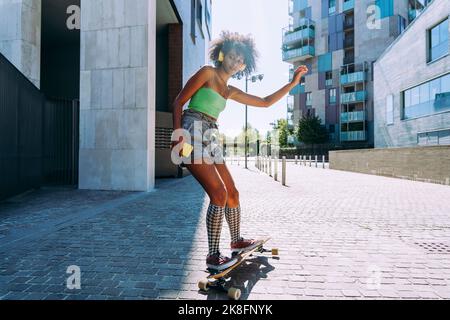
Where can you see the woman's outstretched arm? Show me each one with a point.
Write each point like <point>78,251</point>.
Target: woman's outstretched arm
<point>251,100</point>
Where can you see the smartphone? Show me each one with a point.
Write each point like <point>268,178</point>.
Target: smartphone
<point>187,149</point>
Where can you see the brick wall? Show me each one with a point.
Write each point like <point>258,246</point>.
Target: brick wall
<point>428,164</point>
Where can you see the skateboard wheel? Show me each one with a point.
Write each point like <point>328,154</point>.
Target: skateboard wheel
<point>234,293</point>
<point>274,251</point>
<point>203,285</point>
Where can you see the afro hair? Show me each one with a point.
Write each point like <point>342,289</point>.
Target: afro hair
<point>244,45</point>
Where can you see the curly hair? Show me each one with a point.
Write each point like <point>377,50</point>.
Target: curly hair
<point>244,45</point>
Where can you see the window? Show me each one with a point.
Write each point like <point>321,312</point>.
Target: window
<point>308,99</point>
<point>331,6</point>
<point>333,96</point>
<point>439,137</point>
<point>390,109</point>
<point>328,78</point>
<point>428,98</point>
<point>208,17</point>
<point>200,16</point>
<point>193,36</point>
<point>438,41</point>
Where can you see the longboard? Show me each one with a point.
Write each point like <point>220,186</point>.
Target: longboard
<point>218,279</point>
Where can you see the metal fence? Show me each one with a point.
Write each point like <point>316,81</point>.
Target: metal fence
<point>38,135</point>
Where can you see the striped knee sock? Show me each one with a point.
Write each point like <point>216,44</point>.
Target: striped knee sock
<point>233,217</point>
<point>214,218</point>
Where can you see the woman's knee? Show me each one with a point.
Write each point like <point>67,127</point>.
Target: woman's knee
<point>218,195</point>
<point>233,194</point>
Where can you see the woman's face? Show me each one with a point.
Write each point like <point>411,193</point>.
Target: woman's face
<point>233,62</point>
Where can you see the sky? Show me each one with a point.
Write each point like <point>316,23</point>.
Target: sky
<point>264,19</point>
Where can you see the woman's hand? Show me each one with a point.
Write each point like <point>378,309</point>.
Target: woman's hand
<point>174,143</point>
<point>298,74</point>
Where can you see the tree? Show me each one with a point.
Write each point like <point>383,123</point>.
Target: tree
<point>252,136</point>
<point>284,132</point>
<point>311,131</point>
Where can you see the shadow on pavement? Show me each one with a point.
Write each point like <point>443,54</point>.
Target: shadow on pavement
<point>244,277</point>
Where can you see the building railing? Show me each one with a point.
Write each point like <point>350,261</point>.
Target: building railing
<point>297,54</point>
<point>348,5</point>
<point>353,96</point>
<point>359,76</point>
<point>297,90</point>
<point>353,116</point>
<point>291,37</point>
<point>353,136</point>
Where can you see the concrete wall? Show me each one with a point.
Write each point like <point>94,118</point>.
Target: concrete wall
<point>402,66</point>
<point>117,95</point>
<point>20,36</point>
<point>429,164</point>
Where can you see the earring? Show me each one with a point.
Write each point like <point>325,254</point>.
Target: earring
<point>221,57</point>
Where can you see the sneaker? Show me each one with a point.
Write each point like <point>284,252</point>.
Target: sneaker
<point>219,262</point>
<point>243,245</point>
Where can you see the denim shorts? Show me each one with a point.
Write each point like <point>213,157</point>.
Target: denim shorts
<point>204,137</point>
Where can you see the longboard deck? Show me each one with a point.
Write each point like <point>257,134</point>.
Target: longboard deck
<point>240,258</point>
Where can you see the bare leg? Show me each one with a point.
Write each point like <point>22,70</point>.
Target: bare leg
<point>232,192</point>
<point>210,180</point>
<point>233,208</point>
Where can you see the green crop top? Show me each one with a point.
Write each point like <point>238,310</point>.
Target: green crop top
<point>208,101</point>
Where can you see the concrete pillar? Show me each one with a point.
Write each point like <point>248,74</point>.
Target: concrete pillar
<point>20,36</point>
<point>117,95</point>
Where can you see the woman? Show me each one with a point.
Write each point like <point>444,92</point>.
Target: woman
<point>234,56</point>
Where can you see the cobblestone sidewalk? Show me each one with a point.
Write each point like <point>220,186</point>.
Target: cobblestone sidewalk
<point>341,235</point>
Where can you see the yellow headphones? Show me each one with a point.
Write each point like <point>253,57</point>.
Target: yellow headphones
<point>221,57</point>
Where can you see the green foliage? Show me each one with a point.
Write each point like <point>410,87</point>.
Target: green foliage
<point>311,131</point>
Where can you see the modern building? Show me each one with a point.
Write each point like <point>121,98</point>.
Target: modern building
<point>339,41</point>
<point>125,61</point>
<point>412,83</point>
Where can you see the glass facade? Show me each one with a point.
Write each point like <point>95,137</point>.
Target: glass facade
<point>438,40</point>
<point>434,138</point>
<point>386,7</point>
<point>333,96</point>
<point>331,6</point>
<point>325,62</point>
<point>349,5</point>
<point>428,98</point>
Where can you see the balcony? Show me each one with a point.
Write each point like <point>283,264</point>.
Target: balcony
<point>349,23</point>
<point>297,90</point>
<point>349,78</point>
<point>353,136</point>
<point>348,5</point>
<point>352,97</point>
<point>353,116</point>
<point>349,59</point>
<point>349,42</point>
<point>297,5</point>
<point>294,36</point>
<point>298,54</point>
